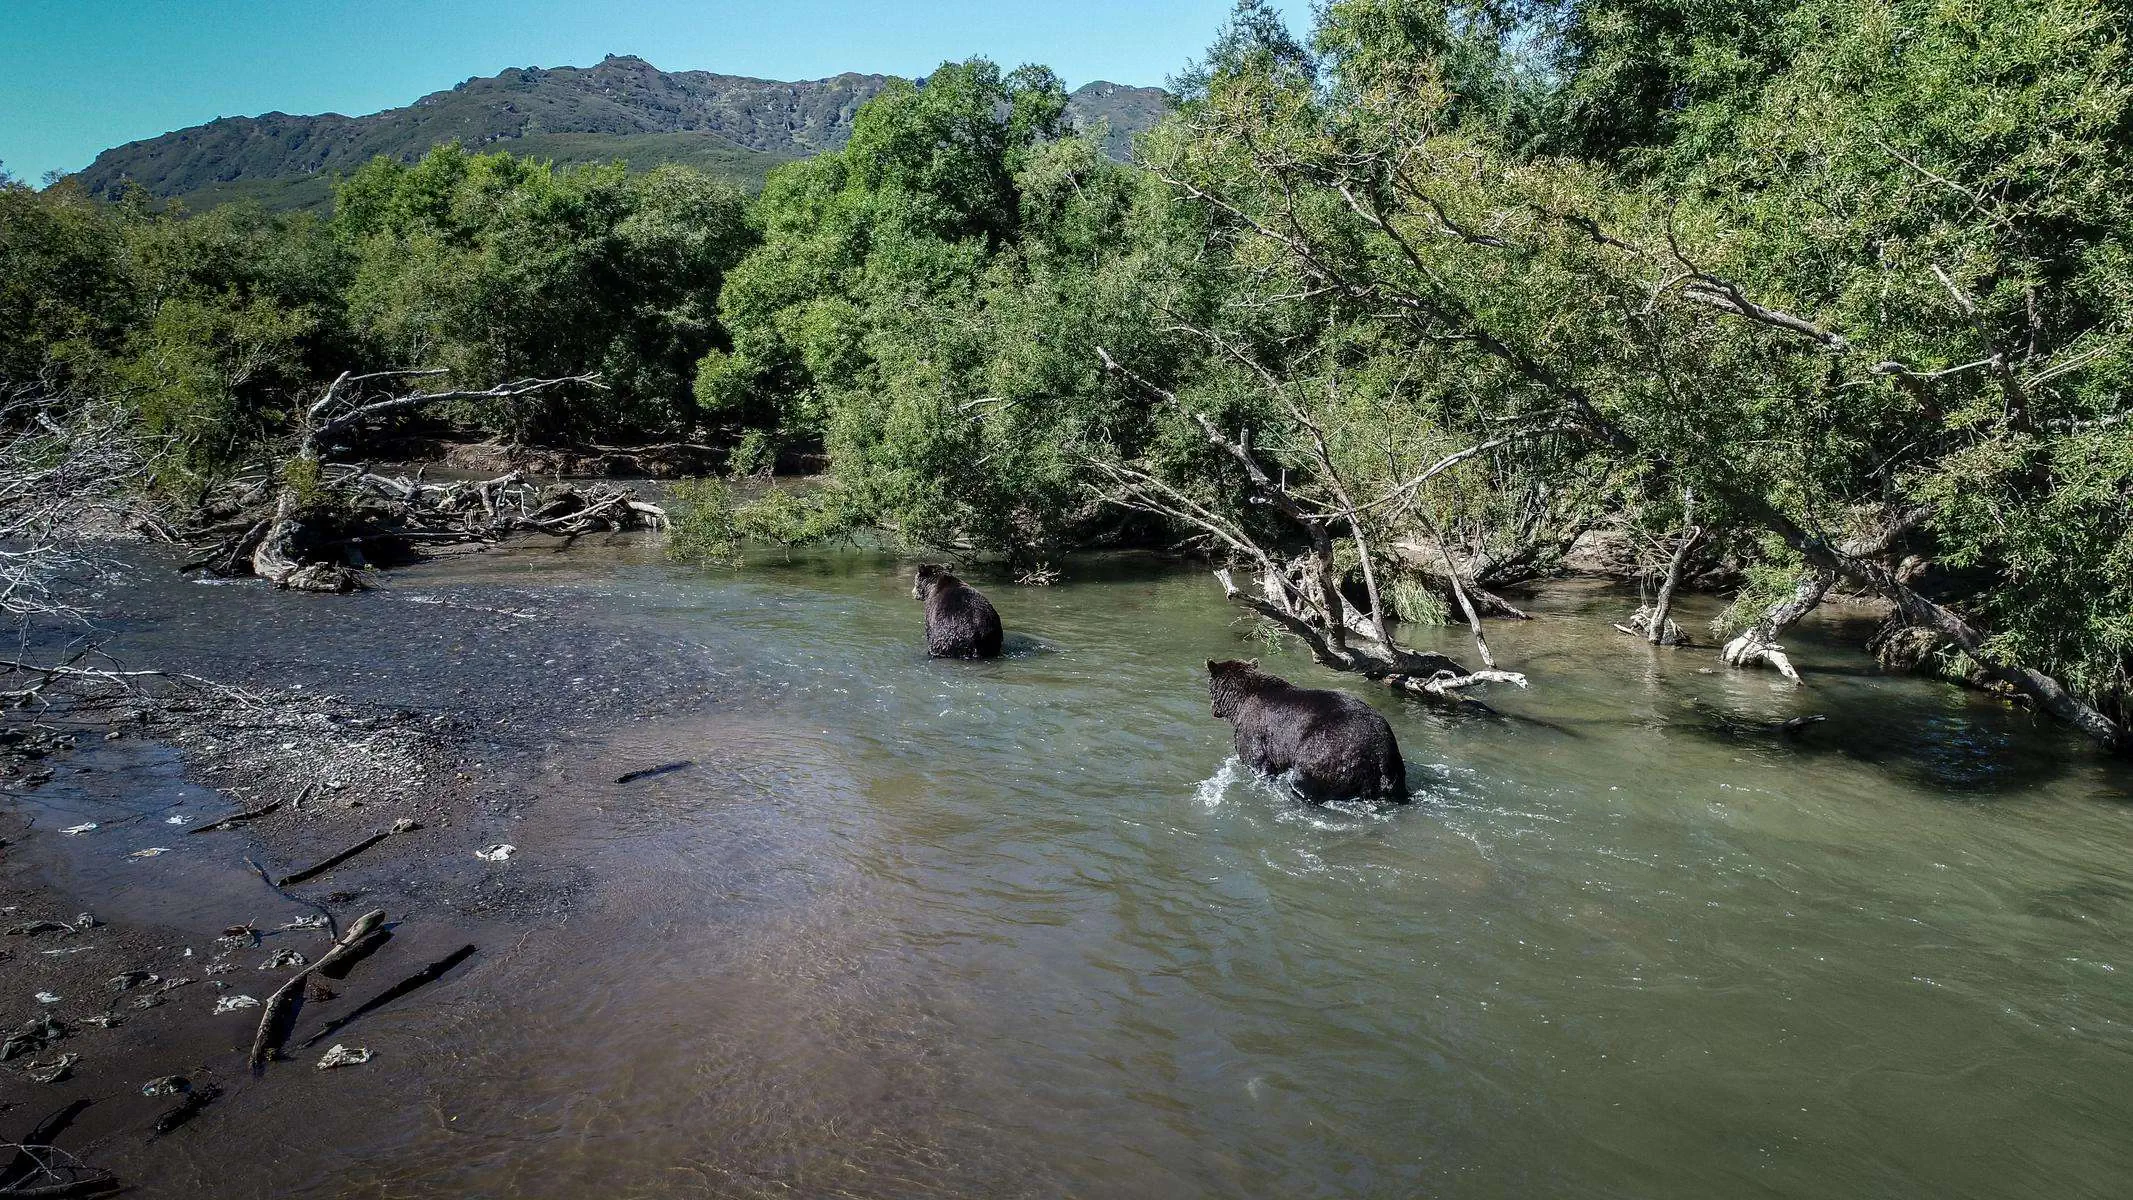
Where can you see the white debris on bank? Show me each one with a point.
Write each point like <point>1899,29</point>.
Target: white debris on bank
<point>342,1056</point>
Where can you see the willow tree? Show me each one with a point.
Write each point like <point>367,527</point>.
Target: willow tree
<point>1909,275</point>
<point>1941,189</point>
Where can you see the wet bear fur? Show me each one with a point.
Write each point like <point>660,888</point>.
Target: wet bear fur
<point>960,621</point>
<point>1337,747</point>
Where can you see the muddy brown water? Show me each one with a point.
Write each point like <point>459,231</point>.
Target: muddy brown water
<point>1021,928</point>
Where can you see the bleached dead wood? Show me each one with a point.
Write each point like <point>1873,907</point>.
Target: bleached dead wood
<point>1757,645</point>
<point>323,513</point>
<point>269,1038</point>
<point>68,466</point>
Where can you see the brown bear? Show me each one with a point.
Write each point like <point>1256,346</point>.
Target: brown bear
<point>1331,745</point>
<point>960,621</point>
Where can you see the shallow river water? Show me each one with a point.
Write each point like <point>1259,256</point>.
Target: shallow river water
<point>1023,929</point>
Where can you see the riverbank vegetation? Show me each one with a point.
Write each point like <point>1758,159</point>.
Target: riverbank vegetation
<point>1783,297</point>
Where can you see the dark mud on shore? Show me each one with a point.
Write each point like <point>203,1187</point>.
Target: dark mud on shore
<point>136,930</point>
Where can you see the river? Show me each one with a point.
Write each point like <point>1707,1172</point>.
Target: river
<point>1022,928</point>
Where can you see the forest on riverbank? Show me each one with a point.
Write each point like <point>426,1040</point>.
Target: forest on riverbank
<point>1784,296</point>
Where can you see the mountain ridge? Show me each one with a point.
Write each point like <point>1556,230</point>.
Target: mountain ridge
<point>735,126</point>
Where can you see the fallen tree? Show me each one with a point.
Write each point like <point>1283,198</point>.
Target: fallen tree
<point>72,472</point>
<point>311,525</point>
<point>1301,593</point>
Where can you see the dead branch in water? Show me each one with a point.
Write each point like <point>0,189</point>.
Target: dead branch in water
<point>239,818</point>
<point>266,1042</point>
<point>123,681</point>
<point>67,466</point>
<point>185,1109</point>
<point>43,1170</point>
<point>427,975</point>
<point>333,928</point>
<point>661,769</point>
<point>331,861</point>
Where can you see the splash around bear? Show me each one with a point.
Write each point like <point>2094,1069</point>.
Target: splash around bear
<point>960,621</point>
<point>1332,745</point>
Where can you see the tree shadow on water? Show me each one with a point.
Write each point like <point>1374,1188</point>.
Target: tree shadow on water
<point>1962,754</point>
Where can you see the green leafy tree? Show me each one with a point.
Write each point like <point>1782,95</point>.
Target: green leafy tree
<point>1900,282</point>
<point>500,267</point>
<point>65,289</point>
<point>922,303</point>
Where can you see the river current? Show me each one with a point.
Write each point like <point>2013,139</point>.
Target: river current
<point>1023,928</point>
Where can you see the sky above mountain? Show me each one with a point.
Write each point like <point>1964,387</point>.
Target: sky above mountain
<point>76,78</point>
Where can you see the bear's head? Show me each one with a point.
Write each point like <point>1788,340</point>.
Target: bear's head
<point>930,576</point>
<point>1228,681</point>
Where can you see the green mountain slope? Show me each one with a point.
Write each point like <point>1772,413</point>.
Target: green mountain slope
<point>623,107</point>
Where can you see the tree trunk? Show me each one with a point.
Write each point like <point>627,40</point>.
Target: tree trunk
<point>1758,644</point>
<point>277,558</point>
<point>1654,622</point>
<point>1856,560</point>
<point>2042,688</point>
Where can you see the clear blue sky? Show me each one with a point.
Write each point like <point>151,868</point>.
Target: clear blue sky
<point>78,76</point>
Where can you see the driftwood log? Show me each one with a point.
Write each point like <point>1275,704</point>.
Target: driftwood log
<point>310,524</point>
<point>269,1038</point>
<point>427,975</point>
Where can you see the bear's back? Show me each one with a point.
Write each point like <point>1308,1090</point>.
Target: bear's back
<point>960,621</point>
<point>1340,746</point>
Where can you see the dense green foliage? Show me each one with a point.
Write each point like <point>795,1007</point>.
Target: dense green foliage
<point>495,267</point>
<point>502,268</point>
<point>1846,285</point>
<point>705,532</point>
<point>922,305</point>
<point>207,327</point>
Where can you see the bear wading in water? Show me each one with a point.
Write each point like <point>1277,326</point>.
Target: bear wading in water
<point>1337,747</point>
<point>960,621</point>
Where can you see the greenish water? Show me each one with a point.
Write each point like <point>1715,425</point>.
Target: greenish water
<point>1021,929</point>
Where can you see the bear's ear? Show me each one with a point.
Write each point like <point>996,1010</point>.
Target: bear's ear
<point>1213,667</point>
